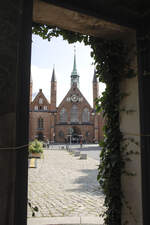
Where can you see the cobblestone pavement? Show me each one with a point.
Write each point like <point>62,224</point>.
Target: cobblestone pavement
<point>64,186</point>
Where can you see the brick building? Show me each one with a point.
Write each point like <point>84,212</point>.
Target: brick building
<point>74,119</point>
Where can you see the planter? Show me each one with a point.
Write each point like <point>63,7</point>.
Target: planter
<point>35,155</point>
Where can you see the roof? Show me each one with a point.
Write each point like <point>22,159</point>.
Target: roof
<point>72,92</point>
<point>39,95</point>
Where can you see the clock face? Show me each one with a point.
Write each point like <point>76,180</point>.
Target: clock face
<point>74,98</point>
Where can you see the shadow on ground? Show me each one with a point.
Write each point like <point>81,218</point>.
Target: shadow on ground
<point>88,183</point>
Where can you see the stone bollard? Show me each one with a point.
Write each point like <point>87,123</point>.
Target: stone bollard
<point>83,156</point>
<point>73,151</point>
<point>77,154</point>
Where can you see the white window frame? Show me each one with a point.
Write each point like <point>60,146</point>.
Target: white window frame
<point>35,107</point>
<point>41,101</point>
<point>45,107</point>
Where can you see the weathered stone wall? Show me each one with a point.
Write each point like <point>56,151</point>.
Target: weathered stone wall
<point>15,42</point>
<point>130,127</point>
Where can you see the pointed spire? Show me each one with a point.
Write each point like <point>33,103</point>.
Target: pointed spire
<point>53,75</point>
<point>74,65</point>
<point>94,77</point>
<point>74,72</point>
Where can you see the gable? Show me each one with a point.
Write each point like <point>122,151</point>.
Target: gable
<point>74,96</point>
<point>40,102</point>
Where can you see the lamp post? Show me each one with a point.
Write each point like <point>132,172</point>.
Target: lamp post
<point>70,133</point>
<point>53,137</point>
<point>70,139</point>
<point>81,140</point>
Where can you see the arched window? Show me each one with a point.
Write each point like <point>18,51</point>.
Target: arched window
<point>40,123</point>
<point>74,114</point>
<point>63,115</point>
<point>85,115</point>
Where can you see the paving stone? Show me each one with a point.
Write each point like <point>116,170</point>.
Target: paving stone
<point>83,156</point>
<point>63,185</point>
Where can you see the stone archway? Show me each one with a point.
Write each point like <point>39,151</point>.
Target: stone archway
<point>16,51</point>
<point>76,134</point>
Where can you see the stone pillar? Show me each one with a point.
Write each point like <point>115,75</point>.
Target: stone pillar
<point>143,42</point>
<point>15,43</point>
<point>130,128</point>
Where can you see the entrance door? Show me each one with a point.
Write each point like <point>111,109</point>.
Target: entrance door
<point>40,136</point>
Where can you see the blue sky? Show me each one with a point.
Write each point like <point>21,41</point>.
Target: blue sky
<point>58,53</point>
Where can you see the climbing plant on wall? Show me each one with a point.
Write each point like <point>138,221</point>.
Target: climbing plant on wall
<point>112,66</point>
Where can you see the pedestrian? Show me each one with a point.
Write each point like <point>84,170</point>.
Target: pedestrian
<point>47,143</point>
<point>81,143</point>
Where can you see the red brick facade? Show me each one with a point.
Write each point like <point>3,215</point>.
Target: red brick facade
<point>73,119</point>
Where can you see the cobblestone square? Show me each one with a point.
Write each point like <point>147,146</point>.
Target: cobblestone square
<point>62,185</point>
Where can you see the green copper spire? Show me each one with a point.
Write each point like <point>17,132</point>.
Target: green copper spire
<point>74,74</point>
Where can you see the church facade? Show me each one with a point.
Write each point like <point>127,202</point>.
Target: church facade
<point>74,120</point>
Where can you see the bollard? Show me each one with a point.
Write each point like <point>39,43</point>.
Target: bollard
<point>77,154</point>
<point>83,156</point>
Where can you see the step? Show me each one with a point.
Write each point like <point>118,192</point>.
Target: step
<point>65,221</point>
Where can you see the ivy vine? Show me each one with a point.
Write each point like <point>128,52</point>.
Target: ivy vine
<point>112,66</point>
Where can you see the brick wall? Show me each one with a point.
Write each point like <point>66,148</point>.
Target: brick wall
<point>33,125</point>
<point>53,130</point>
